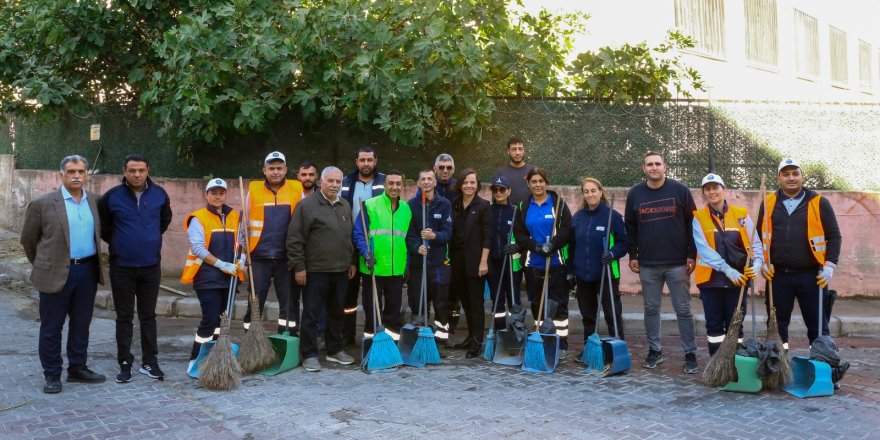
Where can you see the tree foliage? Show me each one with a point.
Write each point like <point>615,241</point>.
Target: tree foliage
<point>633,73</point>
<point>416,69</point>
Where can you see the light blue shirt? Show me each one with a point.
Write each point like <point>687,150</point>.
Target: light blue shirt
<point>361,191</point>
<point>82,225</point>
<point>792,203</point>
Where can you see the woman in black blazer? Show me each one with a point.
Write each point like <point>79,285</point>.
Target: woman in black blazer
<point>471,240</point>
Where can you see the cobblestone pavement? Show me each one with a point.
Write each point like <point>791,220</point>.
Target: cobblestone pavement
<point>461,398</point>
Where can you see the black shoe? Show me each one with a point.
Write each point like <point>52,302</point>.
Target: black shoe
<point>463,344</point>
<point>124,375</point>
<point>473,350</point>
<point>53,385</point>
<point>654,358</point>
<point>84,375</point>
<point>690,364</point>
<point>152,370</point>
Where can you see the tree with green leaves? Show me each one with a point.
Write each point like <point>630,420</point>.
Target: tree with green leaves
<point>636,73</point>
<point>416,69</point>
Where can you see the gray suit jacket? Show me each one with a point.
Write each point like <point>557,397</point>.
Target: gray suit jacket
<point>45,237</point>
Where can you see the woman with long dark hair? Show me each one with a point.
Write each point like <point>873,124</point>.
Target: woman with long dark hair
<point>471,240</point>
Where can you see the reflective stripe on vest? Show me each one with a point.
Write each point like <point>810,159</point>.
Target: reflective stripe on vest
<point>212,225</point>
<point>387,235</point>
<point>815,230</point>
<point>732,218</point>
<point>260,196</point>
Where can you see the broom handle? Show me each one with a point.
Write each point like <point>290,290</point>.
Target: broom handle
<point>541,311</point>
<point>247,251</point>
<point>765,219</point>
<point>606,245</point>
<point>233,279</point>
<point>424,293</point>
<point>377,319</point>
<point>510,267</point>
<point>611,299</point>
<point>498,292</point>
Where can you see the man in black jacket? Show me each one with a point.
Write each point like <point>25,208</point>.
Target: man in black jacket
<point>431,242</point>
<point>659,218</point>
<point>801,249</point>
<point>134,215</point>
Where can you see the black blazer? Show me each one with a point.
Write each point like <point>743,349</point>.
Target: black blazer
<point>477,232</point>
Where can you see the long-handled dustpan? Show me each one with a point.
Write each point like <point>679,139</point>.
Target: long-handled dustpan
<point>614,350</point>
<point>812,378</point>
<point>409,333</point>
<point>747,380</point>
<point>509,344</point>
<point>286,347</point>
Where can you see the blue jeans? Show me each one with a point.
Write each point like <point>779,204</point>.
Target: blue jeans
<point>678,281</point>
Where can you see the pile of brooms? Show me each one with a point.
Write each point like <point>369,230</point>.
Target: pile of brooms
<point>721,369</point>
<point>221,370</point>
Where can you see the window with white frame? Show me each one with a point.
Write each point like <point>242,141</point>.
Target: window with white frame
<point>865,75</point>
<point>806,38</point>
<point>703,20</point>
<point>761,32</point>
<point>839,71</point>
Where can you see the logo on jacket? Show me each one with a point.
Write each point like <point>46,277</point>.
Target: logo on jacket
<point>742,222</point>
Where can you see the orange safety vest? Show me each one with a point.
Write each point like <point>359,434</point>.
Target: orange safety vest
<point>815,231</point>
<point>260,196</point>
<point>734,219</point>
<point>212,225</point>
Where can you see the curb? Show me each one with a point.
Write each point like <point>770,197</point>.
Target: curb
<point>173,306</point>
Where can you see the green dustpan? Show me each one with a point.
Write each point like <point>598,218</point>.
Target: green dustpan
<point>287,356</point>
<point>747,376</point>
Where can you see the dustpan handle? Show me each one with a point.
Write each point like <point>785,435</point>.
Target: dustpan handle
<point>377,320</point>
<point>510,267</point>
<point>611,300</point>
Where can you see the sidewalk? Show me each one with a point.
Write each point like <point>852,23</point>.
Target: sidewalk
<point>850,316</point>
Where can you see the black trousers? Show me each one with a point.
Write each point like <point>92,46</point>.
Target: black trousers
<point>586,293</point>
<point>135,285</point>
<point>75,300</point>
<point>390,290</point>
<point>323,295</point>
<point>801,286</point>
<point>438,292</point>
<point>558,291</point>
<point>350,308</point>
<point>294,309</point>
<point>265,272</point>
<point>213,303</point>
<point>496,276</point>
<point>719,306</point>
<point>469,291</point>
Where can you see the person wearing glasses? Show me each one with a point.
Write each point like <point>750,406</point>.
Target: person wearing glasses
<point>502,223</point>
<point>444,167</point>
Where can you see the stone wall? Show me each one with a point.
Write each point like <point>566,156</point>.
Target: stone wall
<point>858,214</point>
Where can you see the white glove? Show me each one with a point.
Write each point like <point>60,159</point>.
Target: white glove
<point>825,274</point>
<point>227,268</point>
<point>735,277</point>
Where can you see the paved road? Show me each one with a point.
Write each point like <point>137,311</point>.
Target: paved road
<point>461,398</point>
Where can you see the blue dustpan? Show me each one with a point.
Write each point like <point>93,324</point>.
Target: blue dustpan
<point>811,378</point>
<point>204,350</point>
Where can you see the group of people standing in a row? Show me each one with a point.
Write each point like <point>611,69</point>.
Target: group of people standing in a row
<point>322,238</point>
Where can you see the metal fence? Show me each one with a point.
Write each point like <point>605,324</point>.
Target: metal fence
<point>570,139</point>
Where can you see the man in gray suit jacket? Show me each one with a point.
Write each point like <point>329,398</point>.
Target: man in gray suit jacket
<point>61,238</point>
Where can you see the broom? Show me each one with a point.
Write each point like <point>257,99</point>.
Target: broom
<point>383,353</point>
<point>594,356</point>
<point>489,346</point>
<point>256,350</point>
<point>721,368</point>
<point>220,370</point>
<point>534,357</point>
<point>425,349</point>
<point>785,374</point>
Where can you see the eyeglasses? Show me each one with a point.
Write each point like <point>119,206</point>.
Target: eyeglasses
<point>445,167</point>
<point>499,189</point>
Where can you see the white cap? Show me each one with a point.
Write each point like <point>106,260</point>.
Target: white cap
<point>712,178</point>
<point>215,183</point>
<point>275,155</point>
<point>787,162</point>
